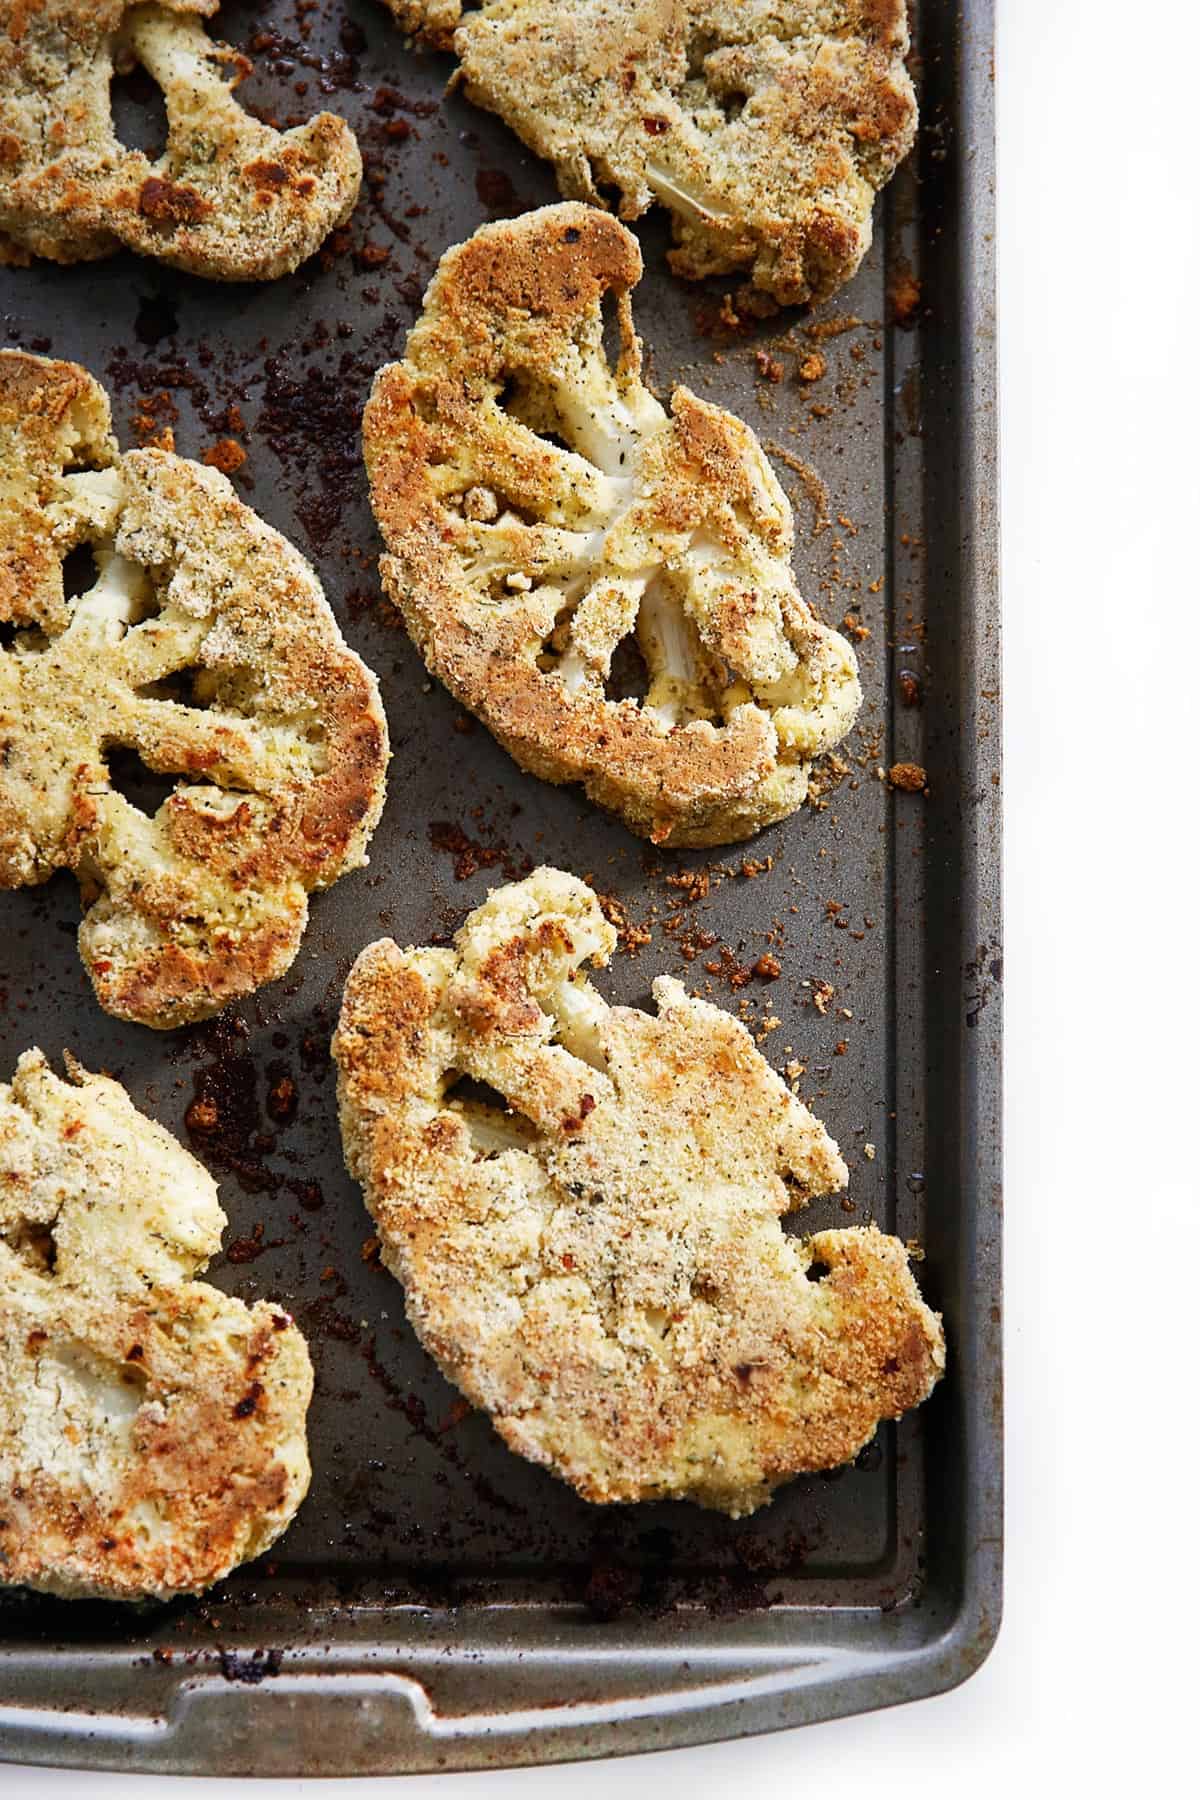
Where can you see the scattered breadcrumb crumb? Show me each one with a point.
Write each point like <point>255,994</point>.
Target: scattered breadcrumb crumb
<point>225,455</point>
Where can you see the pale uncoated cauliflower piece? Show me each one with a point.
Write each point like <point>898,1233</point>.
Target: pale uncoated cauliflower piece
<point>766,127</point>
<point>152,1429</point>
<point>540,507</point>
<point>206,646</point>
<point>602,1265</point>
<point>229,197</point>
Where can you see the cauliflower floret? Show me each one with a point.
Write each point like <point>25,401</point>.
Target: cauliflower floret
<point>599,1262</point>
<point>541,507</point>
<point>766,127</point>
<point>229,197</point>
<point>152,1429</point>
<point>206,646</point>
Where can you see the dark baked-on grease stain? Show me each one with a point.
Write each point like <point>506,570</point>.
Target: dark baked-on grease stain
<point>471,854</point>
<point>225,1121</point>
<point>310,418</point>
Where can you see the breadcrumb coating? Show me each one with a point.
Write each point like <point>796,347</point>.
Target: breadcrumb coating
<point>152,1429</point>
<point>230,197</point>
<point>765,127</point>
<point>205,648</point>
<point>541,508</point>
<point>597,1258</point>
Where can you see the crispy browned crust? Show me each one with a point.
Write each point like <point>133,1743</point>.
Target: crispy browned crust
<point>229,197</point>
<point>603,1268</point>
<point>519,307</point>
<point>766,127</point>
<point>280,744</point>
<point>152,1429</point>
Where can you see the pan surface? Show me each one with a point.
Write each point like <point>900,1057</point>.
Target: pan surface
<point>438,1603</point>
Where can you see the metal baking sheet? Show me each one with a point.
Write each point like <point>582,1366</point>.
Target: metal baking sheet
<point>438,1602</point>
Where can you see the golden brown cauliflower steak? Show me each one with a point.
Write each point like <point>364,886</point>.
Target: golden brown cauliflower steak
<point>151,1428</point>
<point>229,197</point>
<point>205,647</point>
<point>542,512</point>
<point>766,127</point>
<point>601,1264</point>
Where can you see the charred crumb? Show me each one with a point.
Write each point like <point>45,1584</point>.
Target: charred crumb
<point>416,1412</point>
<point>310,418</point>
<point>460,1410</point>
<point>736,974</point>
<point>282,1098</point>
<point>691,940</point>
<point>474,853</point>
<point>321,1321</point>
<point>693,884</point>
<point>611,1589</point>
<point>150,377</point>
<point>155,419</point>
<point>314,1047</point>
<point>250,1670</point>
<point>720,318</point>
<point>249,1249</point>
<point>495,190</point>
<point>224,1120</point>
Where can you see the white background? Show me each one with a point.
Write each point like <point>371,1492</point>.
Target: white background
<point>1099,284</point>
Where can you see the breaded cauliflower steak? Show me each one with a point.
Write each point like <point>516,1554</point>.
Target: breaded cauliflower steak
<point>602,1266</point>
<point>539,508</point>
<point>151,1428</point>
<point>766,127</point>
<point>206,646</point>
<point>229,197</point>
